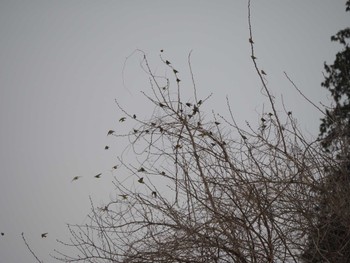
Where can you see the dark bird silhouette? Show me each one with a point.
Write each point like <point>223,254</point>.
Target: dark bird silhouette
<point>251,41</point>
<point>115,167</point>
<point>188,104</point>
<point>167,62</point>
<point>141,169</point>
<point>217,123</point>
<point>2,233</point>
<point>161,105</point>
<point>263,72</point>
<point>44,235</point>
<point>253,57</point>
<point>122,119</point>
<point>134,116</point>
<point>162,173</point>
<point>270,114</point>
<point>75,178</point>
<point>154,194</point>
<point>110,132</point>
<point>289,113</point>
<point>106,147</point>
<point>262,119</point>
<point>200,102</point>
<point>161,50</point>
<point>141,180</point>
<point>124,196</point>
<point>175,71</point>
<point>178,80</point>
<point>244,138</point>
<point>98,175</point>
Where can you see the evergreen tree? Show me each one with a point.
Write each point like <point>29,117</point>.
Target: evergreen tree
<point>329,238</point>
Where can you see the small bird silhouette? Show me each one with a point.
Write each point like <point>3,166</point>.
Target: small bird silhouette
<point>106,147</point>
<point>162,173</point>
<point>124,196</point>
<point>122,119</point>
<point>161,105</point>
<point>115,167</point>
<point>175,71</point>
<point>253,57</point>
<point>263,72</point>
<point>154,194</point>
<point>75,178</point>
<point>251,41</point>
<point>200,102</point>
<point>141,169</point>
<point>161,50</point>
<point>44,235</point>
<point>2,233</point>
<point>134,116</point>
<point>167,62</point>
<point>244,138</point>
<point>217,123</point>
<point>178,80</point>
<point>110,132</point>
<point>98,175</point>
<point>289,113</point>
<point>262,119</point>
<point>141,180</point>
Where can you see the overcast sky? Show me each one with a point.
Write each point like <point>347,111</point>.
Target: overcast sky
<point>61,67</point>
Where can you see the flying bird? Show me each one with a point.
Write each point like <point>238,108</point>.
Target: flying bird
<point>110,132</point>
<point>141,180</point>
<point>106,147</point>
<point>98,175</point>
<point>44,235</point>
<point>122,119</point>
<point>75,178</point>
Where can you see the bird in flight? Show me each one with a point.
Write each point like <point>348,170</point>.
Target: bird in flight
<point>75,178</point>
<point>44,235</point>
<point>98,175</point>
<point>110,132</point>
<point>122,119</point>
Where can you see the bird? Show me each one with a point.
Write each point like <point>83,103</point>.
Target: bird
<point>200,102</point>
<point>110,132</point>
<point>251,41</point>
<point>154,193</point>
<point>134,116</point>
<point>115,167</point>
<point>106,147</point>
<point>162,173</point>
<point>2,233</point>
<point>262,119</point>
<point>188,104</point>
<point>217,123</point>
<point>98,175</point>
<point>244,138</point>
<point>253,57</point>
<point>175,71</point>
<point>161,105</point>
<point>178,80</point>
<point>44,235</point>
<point>263,72</point>
<point>142,170</point>
<point>122,119</point>
<point>75,178</point>
<point>167,62</point>
<point>141,180</point>
<point>124,196</point>
<point>289,113</point>
<point>161,50</point>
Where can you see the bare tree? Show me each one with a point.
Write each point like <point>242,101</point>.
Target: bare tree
<point>203,189</point>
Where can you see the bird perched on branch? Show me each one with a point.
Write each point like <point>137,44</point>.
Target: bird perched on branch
<point>110,132</point>
<point>141,180</point>
<point>75,178</point>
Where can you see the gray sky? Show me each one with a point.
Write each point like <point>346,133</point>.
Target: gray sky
<point>61,65</point>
